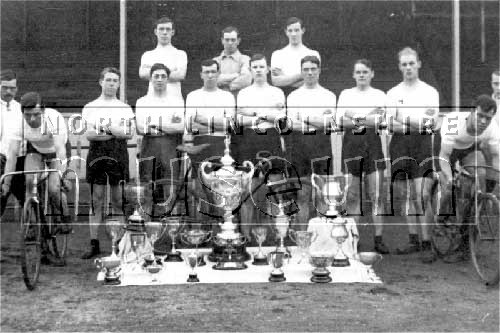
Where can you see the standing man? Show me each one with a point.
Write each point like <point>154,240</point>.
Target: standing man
<point>285,62</point>
<point>10,118</point>
<point>495,86</point>
<point>165,53</point>
<point>413,111</point>
<point>362,154</point>
<point>234,66</point>
<point>109,124</point>
<point>308,147</point>
<point>159,120</point>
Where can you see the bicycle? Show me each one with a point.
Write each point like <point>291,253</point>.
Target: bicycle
<point>476,214</point>
<point>38,233</point>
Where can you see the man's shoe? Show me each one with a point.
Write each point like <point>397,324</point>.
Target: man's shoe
<point>381,248</point>
<point>409,248</point>
<point>455,257</point>
<point>428,256</point>
<point>93,251</point>
<point>51,260</point>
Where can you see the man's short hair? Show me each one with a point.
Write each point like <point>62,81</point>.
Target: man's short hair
<point>230,29</point>
<point>407,50</point>
<point>486,103</point>
<point>159,66</point>
<point>293,20</point>
<point>257,57</point>
<point>30,100</point>
<point>210,62</point>
<point>163,20</point>
<point>365,62</point>
<point>7,75</point>
<point>496,72</point>
<point>107,70</point>
<point>313,59</point>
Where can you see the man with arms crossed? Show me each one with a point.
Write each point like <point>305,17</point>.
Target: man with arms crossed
<point>234,71</point>
<point>285,63</point>
<point>109,126</point>
<point>413,108</point>
<point>360,110</point>
<point>165,53</point>
<point>160,119</point>
<point>471,138</point>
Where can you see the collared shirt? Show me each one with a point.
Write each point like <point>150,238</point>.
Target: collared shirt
<point>235,63</point>
<point>10,118</point>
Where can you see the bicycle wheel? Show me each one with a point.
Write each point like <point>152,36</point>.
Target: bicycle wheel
<point>483,239</point>
<point>30,243</point>
<point>445,236</point>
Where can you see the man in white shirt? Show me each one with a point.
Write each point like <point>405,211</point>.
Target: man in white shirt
<point>359,111</point>
<point>285,63</point>
<point>309,148</point>
<point>470,138</point>
<point>165,53</point>
<point>413,108</point>
<point>495,86</point>
<point>234,66</point>
<point>160,120</point>
<point>109,123</point>
<point>10,117</point>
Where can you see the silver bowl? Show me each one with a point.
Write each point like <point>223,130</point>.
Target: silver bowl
<point>369,258</point>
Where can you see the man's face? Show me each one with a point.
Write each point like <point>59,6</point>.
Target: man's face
<point>164,33</point>
<point>159,79</point>
<point>110,84</point>
<point>294,33</point>
<point>363,75</point>
<point>310,73</point>
<point>259,70</point>
<point>481,120</point>
<point>230,40</point>
<point>209,75</point>
<point>33,116</point>
<point>495,85</point>
<point>409,66</point>
<point>8,90</point>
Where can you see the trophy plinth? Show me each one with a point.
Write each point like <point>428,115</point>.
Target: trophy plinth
<point>230,185</point>
<point>320,273</point>
<point>193,277</point>
<point>277,277</point>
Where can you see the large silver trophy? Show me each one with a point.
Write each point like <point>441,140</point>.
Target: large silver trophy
<point>231,184</point>
<point>333,195</point>
<point>111,265</point>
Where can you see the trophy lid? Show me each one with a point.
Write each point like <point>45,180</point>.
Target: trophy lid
<point>135,222</point>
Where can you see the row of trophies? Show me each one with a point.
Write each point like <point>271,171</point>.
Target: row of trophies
<point>229,251</point>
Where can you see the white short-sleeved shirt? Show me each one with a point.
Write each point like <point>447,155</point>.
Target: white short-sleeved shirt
<point>42,138</point>
<point>303,102</point>
<point>101,111</point>
<point>454,132</point>
<point>413,101</point>
<point>215,104</point>
<point>261,100</point>
<point>497,115</point>
<point>10,118</point>
<point>362,102</point>
<point>171,57</point>
<point>151,110</point>
<point>288,59</point>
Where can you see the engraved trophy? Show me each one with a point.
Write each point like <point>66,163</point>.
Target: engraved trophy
<point>320,262</point>
<point>195,237</point>
<point>333,196</point>
<point>303,239</point>
<point>260,234</point>
<point>173,226</point>
<point>111,265</point>
<point>231,184</point>
<point>277,260</point>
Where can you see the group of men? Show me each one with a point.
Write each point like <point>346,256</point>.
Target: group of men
<point>291,119</point>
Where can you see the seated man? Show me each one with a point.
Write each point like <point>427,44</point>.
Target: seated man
<point>469,138</point>
<point>45,134</point>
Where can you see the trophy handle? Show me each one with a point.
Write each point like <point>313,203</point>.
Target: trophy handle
<point>204,174</point>
<point>98,263</point>
<point>209,235</point>
<point>247,176</point>
<point>293,235</point>
<point>313,181</point>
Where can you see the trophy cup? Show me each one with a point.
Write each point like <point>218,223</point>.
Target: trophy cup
<point>173,224</point>
<point>303,239</point>
<point>154,230</point>
<point>231,184</point>
<point>281,223</point>
<point>333,196</point>
<point>260,234</point>
<point>320,262</point>
<point>277,260</point>
<point>369,259</point>
<point>111,265</point>
<point>195,237</point>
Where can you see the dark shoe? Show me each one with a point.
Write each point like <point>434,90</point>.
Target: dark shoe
<point>381,248</point>
<point>428,256</point>
<point>64,227</point>
<point>409,248</point>
<point>49,259</point>
<point>455,257</point>
<point>93,251</point>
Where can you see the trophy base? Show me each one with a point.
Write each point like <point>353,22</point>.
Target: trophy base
<point>229,266</point>
<point>341,262</point>
<point>112,281</point>
<point>193,278</point>
<point>259,261</point>
<point>321,277</point>
<point>277,277</point>
<point>218,254</point>
<point>173,257</point>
